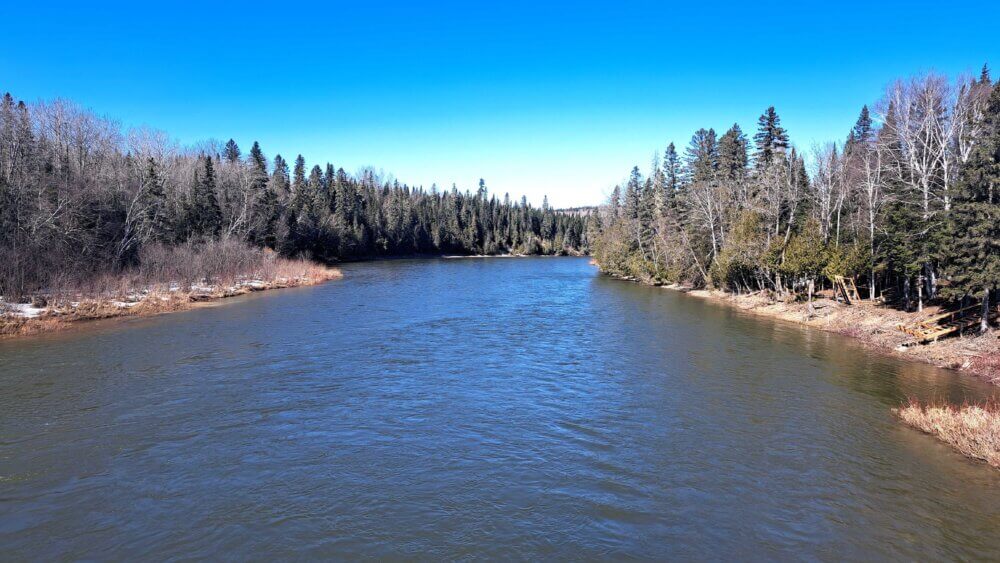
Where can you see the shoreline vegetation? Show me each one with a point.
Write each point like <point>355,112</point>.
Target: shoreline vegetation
<point>170,280</point>
<point>99,221</point>
<point>891,236</point>
<point>973,430</point>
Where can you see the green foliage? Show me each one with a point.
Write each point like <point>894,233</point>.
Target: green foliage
<point>205,215</point>
<point>738,265</point>
<point>972,259</point>
<point>771,138</point>
<point>853,260</point>
<point>806,254</point>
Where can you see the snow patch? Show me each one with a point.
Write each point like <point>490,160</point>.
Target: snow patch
<point>24,310</point>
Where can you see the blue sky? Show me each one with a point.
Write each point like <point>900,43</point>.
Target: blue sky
<point>537,98</point>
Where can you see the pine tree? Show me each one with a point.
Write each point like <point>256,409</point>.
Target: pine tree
<point>316,191</point>
<point>299,180</point>
<point>258,163</point>
<point>279,182</point>
<point>671,175</point>
<point>862,133</point>
<point>157,221</point>
<point>206,214</point>
<point>232,152</point>
<point>770,139</point>
<point>616,202</point>
<point>733,159</point>
<point>633,195</point>
<point>973,256</point>
<point>702,156</point>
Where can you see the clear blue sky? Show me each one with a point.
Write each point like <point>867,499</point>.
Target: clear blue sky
<point>560,99</point>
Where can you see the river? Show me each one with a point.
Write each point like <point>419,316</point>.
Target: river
<point>501,408</point>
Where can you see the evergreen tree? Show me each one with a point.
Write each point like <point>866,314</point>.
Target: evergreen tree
<point>156,219</point>
<point>702,156</point>
<point>206,217</point>
<point>280,182</point>
<point>232,152</point>
<point>299,182</point>
<point>862,133</point>
<point>258,163</point>
<point>770,139</point>
<point>672,174</point>
<point>973,257</point>
<point>633,195</point>
<point>733,158</point>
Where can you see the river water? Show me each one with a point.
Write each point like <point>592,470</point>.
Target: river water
<point>500,408</point>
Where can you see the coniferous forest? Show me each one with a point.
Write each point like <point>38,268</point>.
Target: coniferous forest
<point>80,197</point>
<point>908,203</point>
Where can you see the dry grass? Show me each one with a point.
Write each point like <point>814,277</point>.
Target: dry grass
<point>170,279</point>
<point>973,430</point>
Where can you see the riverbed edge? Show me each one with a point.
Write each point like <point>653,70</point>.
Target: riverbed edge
<point>152,303</point>
<point>872,326</point>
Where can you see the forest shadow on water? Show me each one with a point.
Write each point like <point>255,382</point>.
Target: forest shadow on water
<point>505,408</point>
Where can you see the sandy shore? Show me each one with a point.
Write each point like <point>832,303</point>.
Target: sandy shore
<point>57,314</point>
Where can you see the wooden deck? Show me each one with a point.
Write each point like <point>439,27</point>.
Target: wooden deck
<point>944,324</point>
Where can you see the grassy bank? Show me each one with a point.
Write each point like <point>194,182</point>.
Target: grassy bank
<point>170,279</point>
<point>973,430</point>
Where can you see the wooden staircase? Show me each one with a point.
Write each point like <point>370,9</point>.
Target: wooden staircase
<point>944,324</point>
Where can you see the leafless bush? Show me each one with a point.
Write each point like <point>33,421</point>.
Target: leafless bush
<point>160,268</point>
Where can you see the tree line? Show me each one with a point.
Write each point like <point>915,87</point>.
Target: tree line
<point>907,203</point>
<point>81,196</point>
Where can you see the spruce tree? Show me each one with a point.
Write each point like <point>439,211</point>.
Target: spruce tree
<point>232,152</point>
<point>702,156</point>
<point>279,182</point>
<point>258,163</point>
<point>973,254</point>
<point>862,133</point>
<point>770,139</point>
<point>156,219</point>
<point>671,175</point>
<point>733,157</point>
<point>299,176</point>
<point>207,215</point>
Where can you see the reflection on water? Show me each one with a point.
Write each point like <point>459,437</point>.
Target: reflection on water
<point>503,408</point>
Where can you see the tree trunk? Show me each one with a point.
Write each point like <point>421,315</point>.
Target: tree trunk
<point>811,287</point>
<point>984,323</point>
<point>920,294</point>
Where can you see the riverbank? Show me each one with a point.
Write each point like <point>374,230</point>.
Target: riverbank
<point>874,325</point>
<point>119,298</point>
<point>973,430</point>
